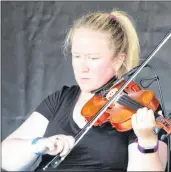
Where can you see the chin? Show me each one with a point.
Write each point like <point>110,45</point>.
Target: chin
<point>88,86</point>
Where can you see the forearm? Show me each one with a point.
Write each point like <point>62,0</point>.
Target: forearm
<point>139,161</point>
<point>149,162</point>
<point>17,154</point>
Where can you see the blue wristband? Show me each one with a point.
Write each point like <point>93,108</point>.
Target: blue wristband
<point>34,141</point>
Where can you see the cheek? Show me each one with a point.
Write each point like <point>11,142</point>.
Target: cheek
<point>102,72</point>
<point>75,66</point>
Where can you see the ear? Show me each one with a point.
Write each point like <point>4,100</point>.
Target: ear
<point>118,61</point>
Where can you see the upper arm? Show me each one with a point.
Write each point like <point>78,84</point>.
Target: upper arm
<point>134,154</point>
<point>34,126</point>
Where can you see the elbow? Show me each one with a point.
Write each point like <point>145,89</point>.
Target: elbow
<point>9,167</point>
<point>12,167</point>
<point>9,163</point>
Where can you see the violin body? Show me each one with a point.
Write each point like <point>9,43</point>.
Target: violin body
<point>119,114</point>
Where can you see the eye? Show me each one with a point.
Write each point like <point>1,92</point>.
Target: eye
<point>76,56</point>
<point>93,58</point>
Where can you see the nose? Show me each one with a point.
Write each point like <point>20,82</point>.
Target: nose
<point>84,66</point>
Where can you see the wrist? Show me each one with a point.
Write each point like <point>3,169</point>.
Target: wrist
<point>37,148</point>
<point>151,142</point>
<point>147,148</point>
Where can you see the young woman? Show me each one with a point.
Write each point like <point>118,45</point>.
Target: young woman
<point>103,45</point>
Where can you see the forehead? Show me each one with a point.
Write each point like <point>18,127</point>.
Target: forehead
<point>85,40</point>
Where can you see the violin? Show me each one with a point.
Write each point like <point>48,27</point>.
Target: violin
<point>118,108</point>
<point>120,112</point>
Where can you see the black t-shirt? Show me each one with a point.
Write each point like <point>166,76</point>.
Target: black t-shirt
<point>102,148</point>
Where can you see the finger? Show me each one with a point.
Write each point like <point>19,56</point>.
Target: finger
<point>160,113</point>
<point>66,147</point>
<point>59,145</point>
<point>152,122</point>
<point>71,141</point>
<point>50,145</point>
<point>56,145</point>
<point>145,114</point>
<point>140,116</point>
<point>151,115</point>
<point>151,118</point>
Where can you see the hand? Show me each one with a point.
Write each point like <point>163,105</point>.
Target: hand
<point>143,123</point>
<point>58,144</point>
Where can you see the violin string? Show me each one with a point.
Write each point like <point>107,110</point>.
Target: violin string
<point>158,117</point>
<point>132,102</point>
<point>138,105</point>
<point>127,101</point>
<point>128,104</point>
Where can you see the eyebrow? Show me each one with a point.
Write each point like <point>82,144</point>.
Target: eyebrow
<point>87,53</point>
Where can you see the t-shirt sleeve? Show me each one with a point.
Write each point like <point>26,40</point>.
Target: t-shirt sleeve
<point>48,107</point>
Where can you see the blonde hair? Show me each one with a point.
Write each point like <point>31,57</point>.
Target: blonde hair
<point>121,30</point>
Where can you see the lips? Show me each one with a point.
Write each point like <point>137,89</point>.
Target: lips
<point>83,80</point>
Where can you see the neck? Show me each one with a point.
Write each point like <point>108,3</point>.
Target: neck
<point>85,96</point>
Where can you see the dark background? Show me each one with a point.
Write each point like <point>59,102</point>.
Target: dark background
<point>33,65</point>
